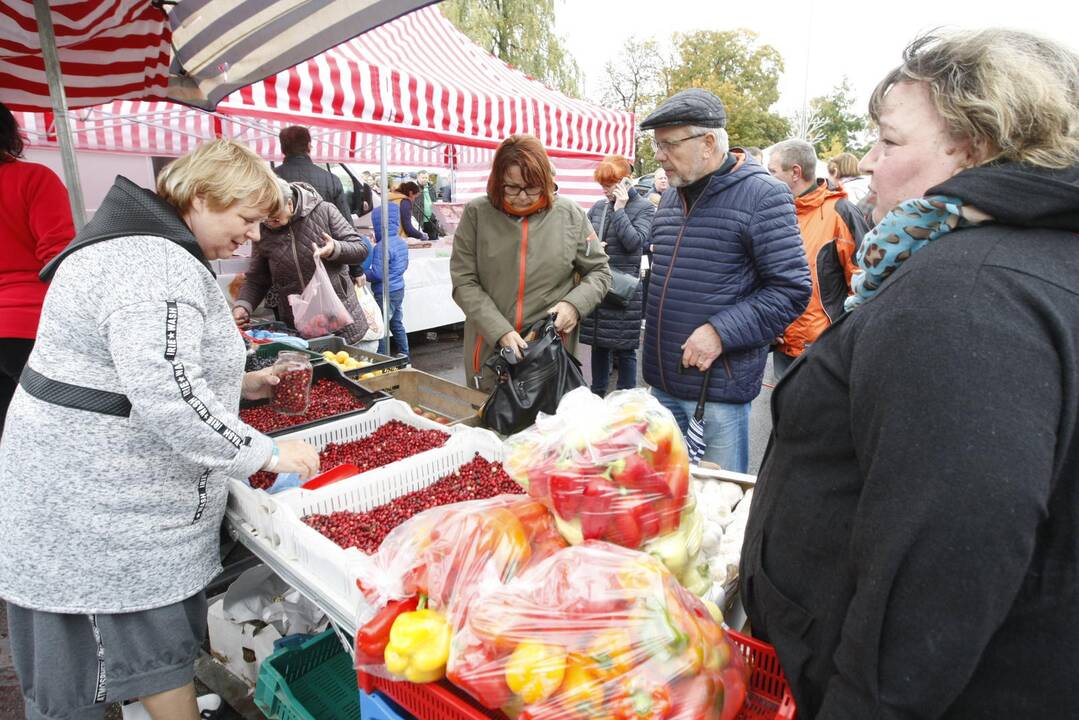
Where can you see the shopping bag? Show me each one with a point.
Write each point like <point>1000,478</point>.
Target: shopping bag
<point>317,311</point>
<point>371,311</point>
<point>533,384</point>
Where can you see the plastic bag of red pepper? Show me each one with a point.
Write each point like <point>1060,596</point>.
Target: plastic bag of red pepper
<point>488,595</point>
<point>615,469</point>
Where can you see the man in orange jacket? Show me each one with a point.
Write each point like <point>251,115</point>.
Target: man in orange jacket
<point>832,230</point>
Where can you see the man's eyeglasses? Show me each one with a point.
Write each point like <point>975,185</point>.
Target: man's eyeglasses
<point>515,190</point>
<point>669,145</point>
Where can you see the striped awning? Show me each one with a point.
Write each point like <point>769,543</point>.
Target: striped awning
<point>376,84</point>
<point>198,54</point>
<point>386,82</point>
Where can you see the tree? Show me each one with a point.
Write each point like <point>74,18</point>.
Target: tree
<point>839,127</point>
<point>742,73</point>
<point>635,82</point>
<point>519,33</point>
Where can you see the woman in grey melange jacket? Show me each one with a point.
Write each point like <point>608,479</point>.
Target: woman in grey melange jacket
<point>283,258</point>
<point>120,439</point>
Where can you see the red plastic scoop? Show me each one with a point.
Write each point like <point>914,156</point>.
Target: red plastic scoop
<point>331,476</point>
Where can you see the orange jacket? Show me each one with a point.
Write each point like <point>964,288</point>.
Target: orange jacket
<point>832,230</point>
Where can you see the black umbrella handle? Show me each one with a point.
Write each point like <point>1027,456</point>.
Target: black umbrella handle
<point>699,412</point>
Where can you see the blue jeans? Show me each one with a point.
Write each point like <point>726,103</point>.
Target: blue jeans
<point>726,429</point>
<point>397,323</point>
<point>601,369</point>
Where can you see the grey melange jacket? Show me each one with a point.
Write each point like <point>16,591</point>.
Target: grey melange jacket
<point>109,514</point>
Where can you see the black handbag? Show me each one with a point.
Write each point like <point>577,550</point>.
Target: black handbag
<point>623,288</point>
<point>533,384</point>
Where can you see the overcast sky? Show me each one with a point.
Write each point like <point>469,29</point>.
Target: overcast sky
<point>862,40</point>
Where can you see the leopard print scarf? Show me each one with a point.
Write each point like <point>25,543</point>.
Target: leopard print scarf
<point>901,233</point>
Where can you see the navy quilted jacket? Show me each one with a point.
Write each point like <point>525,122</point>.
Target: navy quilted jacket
<point>735,259</point>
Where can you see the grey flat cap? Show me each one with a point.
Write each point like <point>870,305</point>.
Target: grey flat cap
<point>689,107</point>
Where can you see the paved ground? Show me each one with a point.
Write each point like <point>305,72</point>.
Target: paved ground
<point>439,354</point>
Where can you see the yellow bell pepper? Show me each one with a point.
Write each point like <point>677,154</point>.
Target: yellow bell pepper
<point>419,646</point>
<point>612,653</point>
<point>534,670</point>
<point>581,693</point>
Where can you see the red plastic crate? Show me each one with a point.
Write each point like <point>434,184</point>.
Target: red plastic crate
<point>768,697</point>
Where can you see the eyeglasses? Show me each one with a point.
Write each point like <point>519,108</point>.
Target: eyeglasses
<point>669,145</point>
<point>515,190</point>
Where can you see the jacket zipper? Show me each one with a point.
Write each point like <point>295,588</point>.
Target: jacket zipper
<point>663,295</point>
<point>521,279</point>
<point>476,354</point>
<point>296,258</point>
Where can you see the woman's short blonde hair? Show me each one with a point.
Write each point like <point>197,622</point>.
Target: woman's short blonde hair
<point>1011,94</point>
<point>223,172</point>
<point>843,165</point>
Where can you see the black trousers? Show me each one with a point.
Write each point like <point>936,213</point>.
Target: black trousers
<point>13,355</point>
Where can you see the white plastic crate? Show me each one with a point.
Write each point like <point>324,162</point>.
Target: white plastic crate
<point>257,508</point>
<point>312,555</point>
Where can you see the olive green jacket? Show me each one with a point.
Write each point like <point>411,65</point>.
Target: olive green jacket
<point>500,291</point>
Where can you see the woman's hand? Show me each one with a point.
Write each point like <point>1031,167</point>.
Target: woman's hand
<point>621,195</point>
<point>327,249</point>
<point>514,341</point>
<point>259,384</point>
<point>565,317</point>
<point>241,316</point>
<point>297,456</point>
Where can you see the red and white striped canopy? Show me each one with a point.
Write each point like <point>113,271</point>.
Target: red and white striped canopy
<point>420,77</point>
<point>108,50</point>
<point>415,78</point>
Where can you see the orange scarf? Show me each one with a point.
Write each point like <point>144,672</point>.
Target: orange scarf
<point>540,204</point>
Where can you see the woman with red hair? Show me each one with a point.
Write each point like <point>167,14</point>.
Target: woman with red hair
<point>517,255</point>
<point>622,222</point>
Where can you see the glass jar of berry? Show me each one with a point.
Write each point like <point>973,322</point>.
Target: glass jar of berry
<point>292,394</point>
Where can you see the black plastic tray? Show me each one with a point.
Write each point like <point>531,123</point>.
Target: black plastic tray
<point>327,371</point>
<point>378,362</point>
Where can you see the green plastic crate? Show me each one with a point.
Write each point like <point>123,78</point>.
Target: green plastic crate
<point>315,681</point>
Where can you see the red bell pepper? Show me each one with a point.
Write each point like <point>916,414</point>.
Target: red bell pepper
<point>648,520</point>
<point>634,472</point>
<point>596,507</point>
<point>566,494</point>
<point>625,529</point>
<point>481,676</point>
<point>734,692</point>
<point>372,638</point>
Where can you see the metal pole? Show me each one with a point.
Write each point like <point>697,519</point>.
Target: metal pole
<point>59,109</point>
<point>383,172</point>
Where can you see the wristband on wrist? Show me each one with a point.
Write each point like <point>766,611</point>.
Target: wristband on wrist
<point>275,458</point>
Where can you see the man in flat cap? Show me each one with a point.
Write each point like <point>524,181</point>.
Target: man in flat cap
<point>728,274</point>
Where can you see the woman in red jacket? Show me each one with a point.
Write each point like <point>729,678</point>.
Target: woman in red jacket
<point>35,225</point>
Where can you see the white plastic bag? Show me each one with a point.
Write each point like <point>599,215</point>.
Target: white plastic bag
<point>318,311</point>
<point>371,312</point>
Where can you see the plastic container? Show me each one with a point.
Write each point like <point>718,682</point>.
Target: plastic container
<point>768,698</point>
<point>376,706</point>
<point>271,350</point>
<point>459,404</point>
<point>430,701</point>
<point>379,363</point>
<point>337,568</point>
<point>314,681</point>
<point>292,394</point>
<point>327,371</point>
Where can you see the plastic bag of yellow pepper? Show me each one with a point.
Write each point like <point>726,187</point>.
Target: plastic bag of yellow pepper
<point>427,571</point>
<point>597,632</point>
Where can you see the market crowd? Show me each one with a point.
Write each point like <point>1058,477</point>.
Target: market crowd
<point>911,549</point>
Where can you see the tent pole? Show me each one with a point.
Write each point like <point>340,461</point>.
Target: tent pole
<point>385,222</point>
<point>59,109</point>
